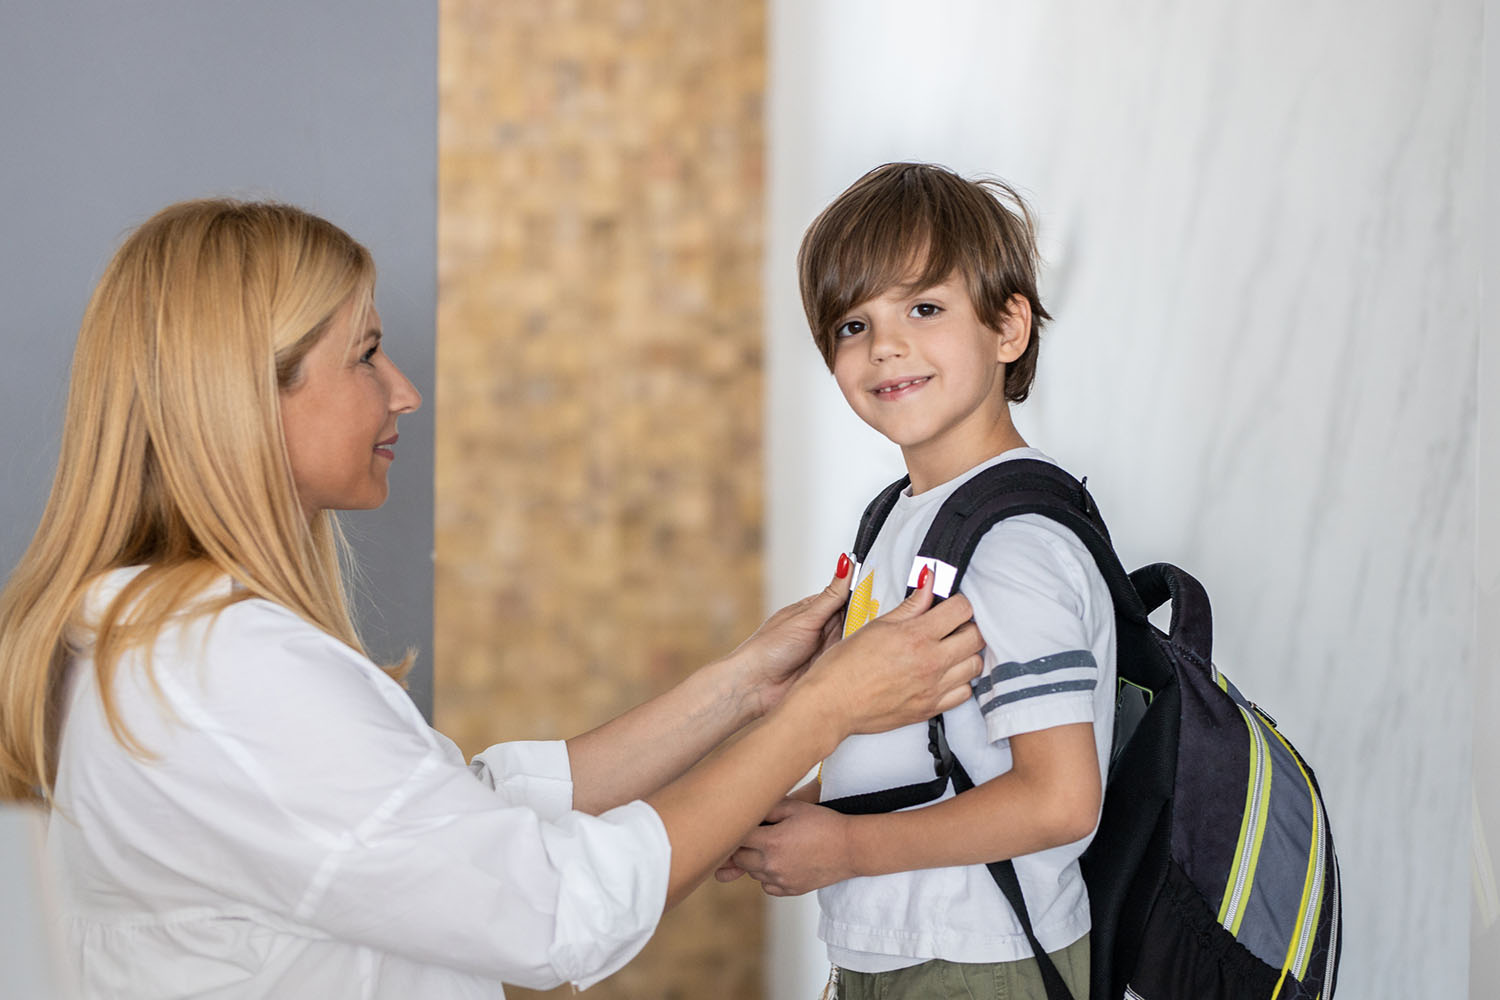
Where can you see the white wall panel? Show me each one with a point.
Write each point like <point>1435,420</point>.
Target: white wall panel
<point>1261,224</point>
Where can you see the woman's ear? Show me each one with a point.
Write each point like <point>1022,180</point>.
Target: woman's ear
<point>1014,329</point>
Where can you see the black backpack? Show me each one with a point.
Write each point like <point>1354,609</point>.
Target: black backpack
<point>1212,873</point>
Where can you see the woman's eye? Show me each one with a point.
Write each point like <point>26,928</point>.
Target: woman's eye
<point>849,329</point>
<point>926,309</point>
<point>369,355</point>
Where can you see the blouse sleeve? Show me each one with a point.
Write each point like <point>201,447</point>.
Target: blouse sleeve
<point>316,792</point>
<point>531,773</point>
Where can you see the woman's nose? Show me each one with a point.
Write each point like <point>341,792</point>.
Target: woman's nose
<point>404,396</point>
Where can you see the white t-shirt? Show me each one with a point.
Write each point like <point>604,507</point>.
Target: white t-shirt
<point>1048,621</point>
<point>301,832</point>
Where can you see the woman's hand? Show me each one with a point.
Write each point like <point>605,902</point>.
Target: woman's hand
<point>778,652</point>
<point>905,666</point>
<point>802,847</point>
<point>901,668</point>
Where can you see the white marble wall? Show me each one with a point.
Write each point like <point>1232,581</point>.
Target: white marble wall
<point>1484,966</point>
<point>1262,228</point>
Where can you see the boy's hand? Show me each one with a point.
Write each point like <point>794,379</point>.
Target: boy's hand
<point>809,792</point>
<point>803,847</point>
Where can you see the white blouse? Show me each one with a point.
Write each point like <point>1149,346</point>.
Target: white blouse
<point>295,829</point>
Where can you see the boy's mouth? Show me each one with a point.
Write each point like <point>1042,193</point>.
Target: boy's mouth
<point>898,385</point>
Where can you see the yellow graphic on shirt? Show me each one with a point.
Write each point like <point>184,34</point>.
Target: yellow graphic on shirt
<point>862,607</point>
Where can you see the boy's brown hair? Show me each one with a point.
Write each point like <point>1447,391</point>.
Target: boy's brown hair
<point>914,225</point>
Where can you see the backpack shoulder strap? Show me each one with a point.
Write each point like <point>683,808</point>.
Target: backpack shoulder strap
<point>905,796</point>
<point>1027,486</point>
<point>871,521</point>
<point>892,799</point>
<point>1024,486</point>
<point>1004,874</point>
<point>1019,486</point>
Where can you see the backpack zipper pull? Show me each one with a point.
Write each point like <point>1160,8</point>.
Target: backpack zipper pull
<point>1264,715</point>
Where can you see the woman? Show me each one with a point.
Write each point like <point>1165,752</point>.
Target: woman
<point>243,804</point>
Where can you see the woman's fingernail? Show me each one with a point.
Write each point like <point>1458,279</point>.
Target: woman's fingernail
<point>922,580</point>
<point>843,568</point>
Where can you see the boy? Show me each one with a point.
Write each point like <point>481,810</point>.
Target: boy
<point>920,289</point>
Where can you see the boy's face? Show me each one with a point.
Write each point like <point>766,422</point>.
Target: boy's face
<point>919,367</point>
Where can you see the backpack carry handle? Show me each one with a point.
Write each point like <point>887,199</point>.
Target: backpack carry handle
<point>1192,627</point>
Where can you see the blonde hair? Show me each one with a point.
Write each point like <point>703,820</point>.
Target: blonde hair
<point>173,457</point>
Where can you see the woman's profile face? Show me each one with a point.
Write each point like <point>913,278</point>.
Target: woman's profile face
<point>339,417</point>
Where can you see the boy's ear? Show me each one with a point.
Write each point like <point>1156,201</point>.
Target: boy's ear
<point>1014,329</point>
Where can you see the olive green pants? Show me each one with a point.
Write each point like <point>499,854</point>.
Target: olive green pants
<point>940,980</point>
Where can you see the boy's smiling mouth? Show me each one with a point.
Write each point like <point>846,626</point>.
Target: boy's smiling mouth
<point>899,386</point>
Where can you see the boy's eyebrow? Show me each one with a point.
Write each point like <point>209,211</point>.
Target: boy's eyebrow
<point>918,287</point>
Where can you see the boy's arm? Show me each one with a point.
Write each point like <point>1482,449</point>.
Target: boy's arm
<point>1051,796</point>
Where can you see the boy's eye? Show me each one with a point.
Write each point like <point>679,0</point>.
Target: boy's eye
<point>849,329</point>
<point>926,309</point>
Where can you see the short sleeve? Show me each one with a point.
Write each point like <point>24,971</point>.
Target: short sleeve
<point>1030,593</point>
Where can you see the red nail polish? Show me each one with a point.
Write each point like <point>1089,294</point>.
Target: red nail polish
<point>922,580</point>
<point>843,568</point>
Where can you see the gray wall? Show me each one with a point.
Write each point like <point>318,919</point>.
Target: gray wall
<point>33,960</point>
<point>110,110</point>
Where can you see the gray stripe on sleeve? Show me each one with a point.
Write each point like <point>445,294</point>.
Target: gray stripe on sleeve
<point>1079,658</point>
<point>1012,697</point>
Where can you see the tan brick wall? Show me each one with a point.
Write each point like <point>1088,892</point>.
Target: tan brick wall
<point>598,401</point>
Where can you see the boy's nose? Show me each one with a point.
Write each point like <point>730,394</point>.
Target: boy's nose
<point>886,344</point>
